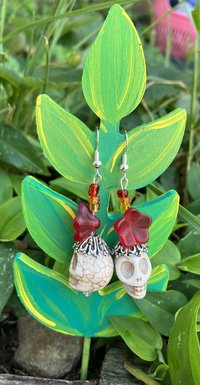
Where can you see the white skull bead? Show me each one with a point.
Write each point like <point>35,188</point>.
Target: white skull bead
<point>133,269</point>
<point>91,267</point>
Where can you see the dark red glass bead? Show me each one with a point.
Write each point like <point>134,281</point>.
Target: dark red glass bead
<point>132,228</point>
<point>122,193</point>
<point>84,223</point>
<point>93,190</point>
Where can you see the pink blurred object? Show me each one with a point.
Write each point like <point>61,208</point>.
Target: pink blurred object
<point>183,32</point>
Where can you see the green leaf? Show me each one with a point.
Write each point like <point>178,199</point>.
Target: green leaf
<point>184,214</point>
<point>160,309</point>
<point>189,245</point>
<point>17,182</point>
<point>114,75</point>
<point>193,220</point>
<point>66,141</point>
<point>170,255</point>
<point>139,335</point>
<point>196,16</point>
<point>7,254</point>
<point>48,297</point>
<point>6,190</point>
<point>90,8</point>
<point>143,377</point>
<point>194,207</point>
<point>58,129</point>
<point>191,264</point>
<point>49,217</point>
<point>183,348</point>
<point>16,150</point>
<point>164,135</point>
<point>11,220</point>
<point>63,184</point>
<point>159,371</point>
<point>163,211</point>
<point>193,180</point>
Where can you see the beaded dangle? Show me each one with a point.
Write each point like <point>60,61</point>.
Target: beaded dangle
<point>132,265</point>
<point>91,267</point>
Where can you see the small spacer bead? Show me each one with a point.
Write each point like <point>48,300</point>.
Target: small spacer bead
<point>93,190</point>
<point>123,207</point>
<point>94,200</point>
<point>94,208</point>
<point>125,201</point>
<point>122,193</point>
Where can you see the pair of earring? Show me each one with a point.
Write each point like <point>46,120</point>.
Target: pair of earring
<point>92,266</point>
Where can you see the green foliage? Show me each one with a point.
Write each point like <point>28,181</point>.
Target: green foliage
<point>191,264</point>
<point>170,255</point>
<point>16,150</point>
<point>12,221</point>
<point>184,351</point>
<point>139,335</point>
<point>160,309</point>
<point>7,255</point>
<point>6,189</point>
<point>193,181</point>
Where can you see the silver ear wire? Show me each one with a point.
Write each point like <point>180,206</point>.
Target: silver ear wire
<point>97,163</point>
<point>124,165</point>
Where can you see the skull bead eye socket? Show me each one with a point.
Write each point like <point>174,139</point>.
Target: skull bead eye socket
<point>143,265</point>
<point>127,269</point>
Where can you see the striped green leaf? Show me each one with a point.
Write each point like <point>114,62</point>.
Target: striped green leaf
<point>114,75</point>
<point>184,350</point>
<point>151,149</point>
<point>66,141</point>
<point>69,145</point>
<point>48,217</point>
<point>48,297</point>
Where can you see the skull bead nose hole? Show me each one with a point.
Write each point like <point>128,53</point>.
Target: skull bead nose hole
<point>127,269</point>
<point>143,265</point>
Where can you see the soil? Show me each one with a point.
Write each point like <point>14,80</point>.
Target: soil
<point>9,343</point>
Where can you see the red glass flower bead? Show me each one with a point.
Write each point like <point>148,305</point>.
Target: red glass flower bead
<point>84,223</point>
<point>132,228</point>
<point>93,190</point>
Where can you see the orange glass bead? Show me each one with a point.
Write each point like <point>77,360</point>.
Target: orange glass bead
<point>94,200</point>
<point>125,201</point>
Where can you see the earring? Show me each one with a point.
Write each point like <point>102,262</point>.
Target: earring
<point>132,265</point>
<point>91,267</point>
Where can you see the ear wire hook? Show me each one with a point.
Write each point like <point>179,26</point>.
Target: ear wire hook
<point>97,163</point>
<point>124,165</point>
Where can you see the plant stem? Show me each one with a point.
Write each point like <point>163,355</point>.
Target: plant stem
<point>85,358</point>
<point>3,17</point>
<point>193,101</point>
<point>46,44</point>
<point>140,375</point>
